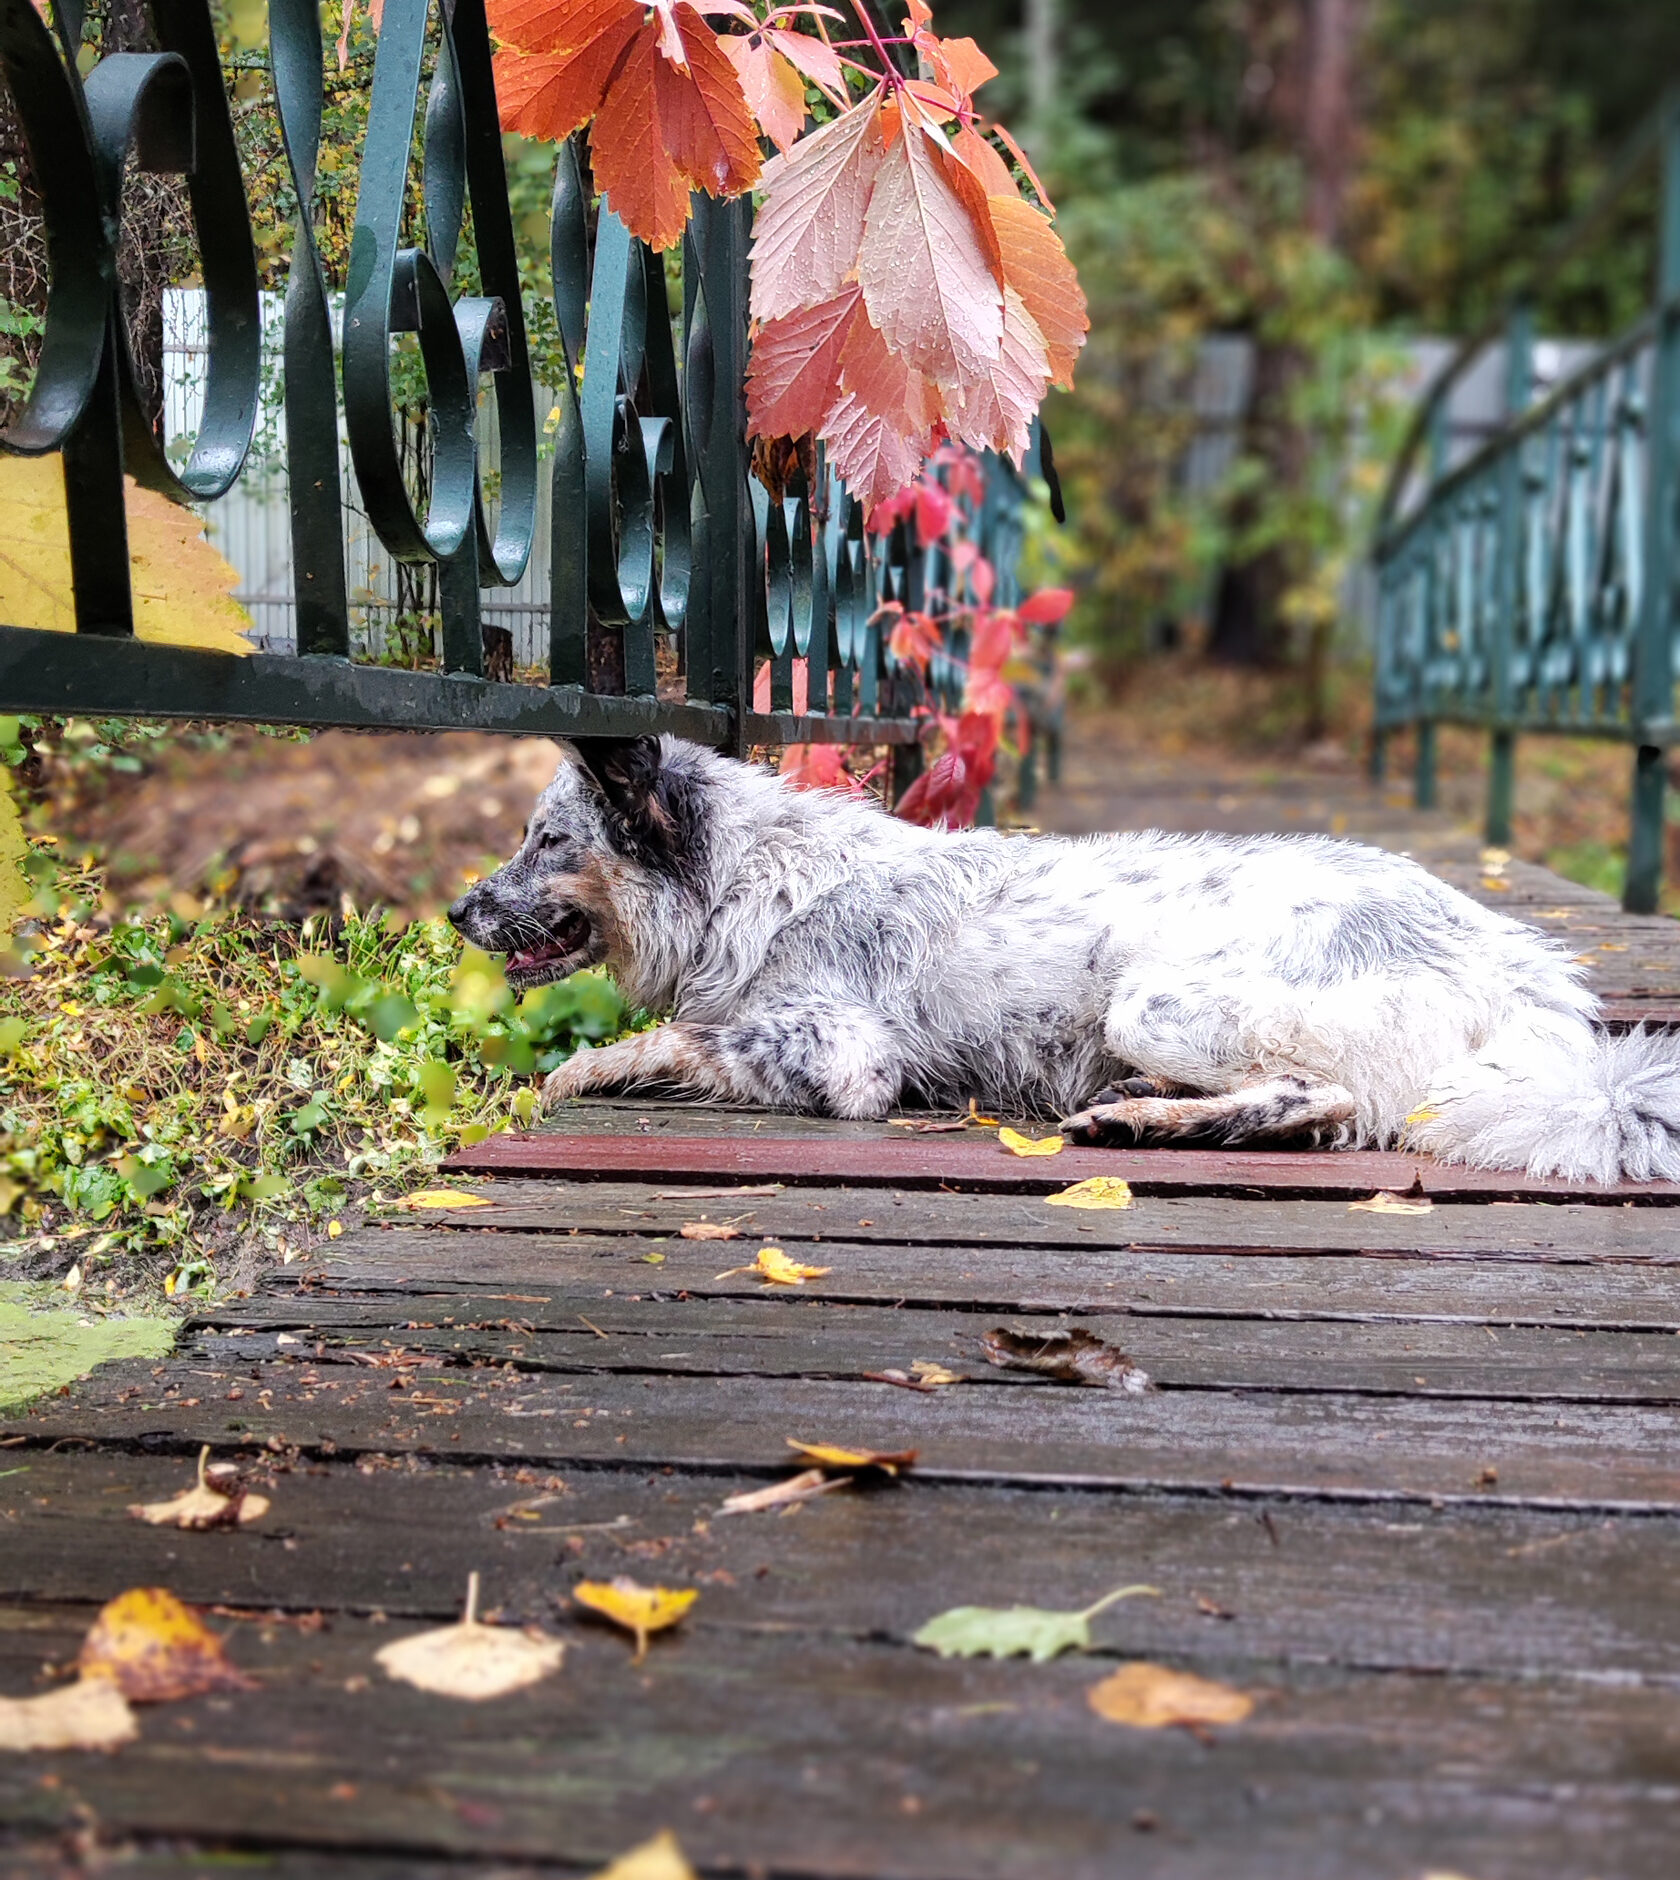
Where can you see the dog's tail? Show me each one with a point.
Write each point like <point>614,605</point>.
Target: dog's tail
<point>1550,1095</point>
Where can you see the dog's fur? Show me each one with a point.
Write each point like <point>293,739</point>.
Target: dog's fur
<point>814,953</point>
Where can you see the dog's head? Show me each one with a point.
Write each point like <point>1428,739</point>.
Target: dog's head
<point>615,822</point>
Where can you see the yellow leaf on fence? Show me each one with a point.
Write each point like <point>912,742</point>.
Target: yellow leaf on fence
<point>183,590</point>
<point>1017,1144</point>
<point>1101,1191</point>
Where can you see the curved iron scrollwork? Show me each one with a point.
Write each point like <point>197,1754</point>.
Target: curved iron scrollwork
<point>167,112</point>
<point>660,536</point>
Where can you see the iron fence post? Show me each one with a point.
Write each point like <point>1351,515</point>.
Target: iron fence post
<point>1426,755</point>
<point>1502,749</point>
<point>1653,672</point>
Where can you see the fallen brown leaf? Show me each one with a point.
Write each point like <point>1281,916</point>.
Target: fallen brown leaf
<point>1151,1697</point>
<point>709,1230</point>
<point>797,1488</point>
<point>89,1714</point>
<point>154,1649</point>
<point>930,1373</point>
<point>204,1505</point>
<point>1072,1357</point>
<point>471,1660</point>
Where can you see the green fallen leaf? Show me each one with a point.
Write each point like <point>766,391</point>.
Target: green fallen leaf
<point>1017,1631</point>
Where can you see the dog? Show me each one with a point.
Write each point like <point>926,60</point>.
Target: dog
<point>814,953</point>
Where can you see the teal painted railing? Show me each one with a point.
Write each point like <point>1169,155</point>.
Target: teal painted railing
<point>1532,587</point>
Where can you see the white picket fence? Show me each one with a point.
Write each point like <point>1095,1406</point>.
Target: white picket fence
<point>251,525</point>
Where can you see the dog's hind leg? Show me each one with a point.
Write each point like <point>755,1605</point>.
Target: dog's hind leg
<point>1272,1109</point>
<point>683,1056</point>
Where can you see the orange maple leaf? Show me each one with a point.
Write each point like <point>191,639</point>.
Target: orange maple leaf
<point>1035,264</point>
<point>670,115</point>
<point>795,366</point>
<point>773,65</point>
<point>998,405</point>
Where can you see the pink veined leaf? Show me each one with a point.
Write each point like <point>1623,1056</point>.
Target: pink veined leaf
<point>816,58</point>
<point>774,91</point>
<point>884,383</point>
<point>875,458</point>
<point>795,367</point>
<point>988,693</point>
<point>999,403</point>
<point>923,266</point>
<point>992,641</point>
<point>806,236</point>
<point>819,767</point>
<point>1046,607</point>
<point>670,34</point>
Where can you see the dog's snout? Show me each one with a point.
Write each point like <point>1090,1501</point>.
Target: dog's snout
<point>464,909</point>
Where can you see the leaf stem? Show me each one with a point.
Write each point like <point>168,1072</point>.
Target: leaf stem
<point>470,1617</point>
<point>890,73</point>
<point>1120,1592</point>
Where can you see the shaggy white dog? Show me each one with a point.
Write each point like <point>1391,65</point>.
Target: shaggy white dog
<point>814,953</point>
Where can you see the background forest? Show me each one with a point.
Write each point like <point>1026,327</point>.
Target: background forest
<point>1325,177</point>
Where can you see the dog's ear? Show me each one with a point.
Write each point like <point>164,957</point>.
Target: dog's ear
<point>626,773</point>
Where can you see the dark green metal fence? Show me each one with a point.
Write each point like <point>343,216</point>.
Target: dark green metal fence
<point>1532,587</point>
<point>660,534</point>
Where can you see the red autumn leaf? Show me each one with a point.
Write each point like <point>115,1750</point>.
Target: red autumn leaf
<point>947,793</point>
<point>795,367</point>
<point>1046,607</point>
<point>914,641</point>
<point>988,694</point>
<point>774,91</point>
<point>959,63</point>
<point>816,58</point>
<point>892,510</point>
<point>992,640</point>
<point>806,237</point>
<point>670,116</point>
<point>926,277</point>
<point>1035,264</point>
<point>869,451</point>
<point>990,170</point>
<point>982,580</point>
<point>934,512</point>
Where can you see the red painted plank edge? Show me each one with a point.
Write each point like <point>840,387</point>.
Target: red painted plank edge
<point>980,1163</point>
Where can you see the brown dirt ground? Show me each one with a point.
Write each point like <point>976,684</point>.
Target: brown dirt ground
<point>388,819</point>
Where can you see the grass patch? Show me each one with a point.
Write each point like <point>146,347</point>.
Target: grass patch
<point>180,1098</point>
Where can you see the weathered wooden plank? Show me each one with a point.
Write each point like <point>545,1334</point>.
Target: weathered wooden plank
<point>796,1337</point>
<point>980,1162</point>
<point>849,1760</point>
<point>1204,1223</point>
<point>545,1280</point>
<point>1614,1457</point>
<point>1470,1591</point>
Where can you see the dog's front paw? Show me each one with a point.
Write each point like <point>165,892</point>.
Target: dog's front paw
<point>566,1081</point>
<point>1103,1124</point>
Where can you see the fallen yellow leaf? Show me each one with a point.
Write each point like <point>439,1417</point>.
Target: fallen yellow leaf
<point>443,1198</point>
<point>153,1649</point>
<point>1100,1191</point>
<point>831,1456</point>
<point>779,1270</point>
<point>1382,1202</point>
<point>89,1714</point>
<point>334,1229</point>
<point>1017,1144</point>
<point>183,590</point>
<point>658,1859</point>
<point>1151,1697</point>
<point>471,1660</point>
<point>204,1505</point>
<point>1423,1116</point>
<point>639,1609</point>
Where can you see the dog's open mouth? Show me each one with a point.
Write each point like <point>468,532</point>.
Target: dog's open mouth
<point>565,952</point>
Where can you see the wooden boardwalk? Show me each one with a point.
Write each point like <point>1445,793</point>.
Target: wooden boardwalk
<point>1411,1480</point>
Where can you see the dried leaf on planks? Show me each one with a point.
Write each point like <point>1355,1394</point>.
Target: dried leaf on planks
<point>209,1503</point>
<point>1071,1357</point>
<point>641,1610</point>
<point>154,1649</point>
<point>796,1490</point>
<point>834,1456</point>
<point>471,1660</point>
<point>1154,1697</point>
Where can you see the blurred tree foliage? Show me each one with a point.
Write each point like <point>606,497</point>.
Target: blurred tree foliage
<point>1308,173</point>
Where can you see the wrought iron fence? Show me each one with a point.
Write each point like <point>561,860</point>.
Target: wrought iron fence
<point>660,538</point>
<point>1532,586</point>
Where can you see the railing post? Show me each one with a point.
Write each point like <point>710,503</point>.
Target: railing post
<point>1423,771</point>
<point>1502,750</point>
<point>1653,674</point>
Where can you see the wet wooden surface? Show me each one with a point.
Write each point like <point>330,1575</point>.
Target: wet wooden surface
<point>1412,1480</point>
